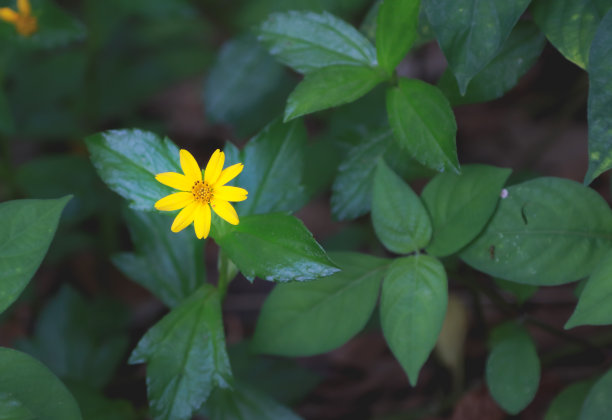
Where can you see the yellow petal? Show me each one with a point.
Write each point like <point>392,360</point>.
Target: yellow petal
<point>227,193</point>
<point>24,7</point>
<point>229,173</point>
<point>190,166</point>
<point>174,201</point>
<point>174,180</point>
<point>185,217</point>
<point>201,222</point>
<point>8,15</point>
<point>225,211</point>
<point>214,166</point>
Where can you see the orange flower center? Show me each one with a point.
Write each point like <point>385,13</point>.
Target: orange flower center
<point>202,192</point>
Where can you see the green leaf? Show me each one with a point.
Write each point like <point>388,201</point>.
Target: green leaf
<point>95,406</point>
<point>26,232</point>
<point>331,86</point>
<point>168,264</point>
<point>412,308</point>
<point>185,355</point>
<point>275,247</point>
<point>396,31</point>
<point>471,32</point>
<point>423,123</point>
<point>79,340</point>
<point>546,231</point>
<point>30,383</point>
<point>568,403</point>
<point>593,305</point>
<point>597,404</point>
<point>600,101</point>
<point>308,41</point>
<point>128,160</point>
<point>6,116</point>
<point>12,409</point>
<point>570,25</point>
<point>461,205</point>
<point>513,369</point>
<point>398,215</point>
<point>295,318</point>
<point>515,58</point>
<point>522,292</point>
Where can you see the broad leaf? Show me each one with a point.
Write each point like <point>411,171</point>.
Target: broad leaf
<point>295,319</point>
<point>600,101</point>
<point>308,41</point>
<point>169,265</point>
<point>13,409</point>
<point>331,86</point>
<point>26,232</point>
<point>398,215</point>
<point>423,123</point>
<point>597,404</point>
<point>412,307</point>
<point>471,32</point>
<point>546,231</point>
<point>185,355</point>
<point>461,205</point>
<point>396,31</point>
<point>275,247</point>
<point>35,388</point>
<point>568,403</point>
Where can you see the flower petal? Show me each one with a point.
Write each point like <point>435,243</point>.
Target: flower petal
<point>174,201</point>
<point>174,180</point>
<point>8,15</point>
<point>185,217</point>
<point>214,166</point>
<point>225,211</point>
<point>201,222</point>
<point>229,173</point>
<point>24,7</point>
<point>190,166</point>
<point>227,193</point>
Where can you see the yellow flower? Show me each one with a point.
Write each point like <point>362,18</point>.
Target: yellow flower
<point>24,22</point>
<point>198,195</point>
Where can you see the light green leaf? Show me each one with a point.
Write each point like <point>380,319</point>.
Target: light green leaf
<point>568,403</point>
<point>331,86</point>
<point>168,264</point>
<point>546,231</point>
<point>308,41</point>
<point>461,205</point>
<point>30,383</point>
<point>600,101</point>
<point>396,31</point>
<point>296,317</point>
<point>513,370</point>
<point>597,404</point>
<point>275,247</point>
<point>471,32</point>
<point>570,25</point>
<point>185,355</point>
<point>12,409</point>
<point>412,308</point>
<point>398,215</point>
<point>423,123</point>
<point>26,232</point>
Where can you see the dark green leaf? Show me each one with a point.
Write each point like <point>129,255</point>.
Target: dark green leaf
<point>275,247</point>
<point>423,122</point>
<point>570,25</point>
<point>600,101</point>
<point>295,319</point>
<point>95,406</point>
<point>26,231</point>
<point>6,116</point>
<point>185,355</point>
<point>331,86</point>
<point>471,32</point>
<point>598,404</point>
<point>308,41</point>
<point>546,231</point>
<point>516,56</point>
<point>12,409</point>
<point>412,308</point>
<point>568,403</point>
<point>461,205</point>
<point>522,291</point>
<point>30,383</point>
<point>398,215</point>
<point>396,31</point>
<point>169,265</point>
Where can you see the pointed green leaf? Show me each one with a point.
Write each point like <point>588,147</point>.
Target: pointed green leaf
<point>568,403</point>
<point>26,232</point>
<point>423,123</point>
<point>412,308</point>
<point>598,404</point>
<point>398,215</point>
<point>546,231</point>
<point>185,355</point>
<point>461,205</point>
<point>396,31</point>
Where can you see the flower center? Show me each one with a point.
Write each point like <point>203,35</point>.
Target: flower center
<point>202,192</point>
